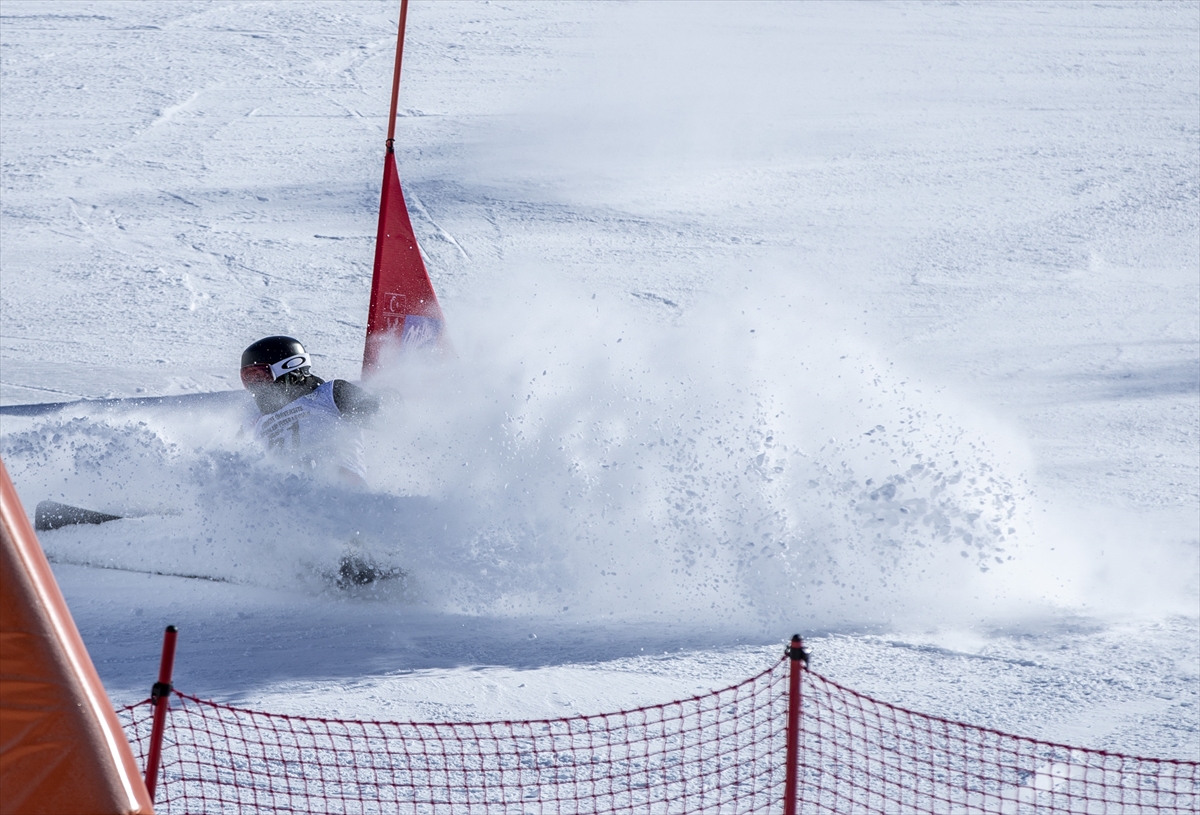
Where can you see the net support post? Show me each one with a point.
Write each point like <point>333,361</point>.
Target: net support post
<point>160,696</point>
<point>798,658</point>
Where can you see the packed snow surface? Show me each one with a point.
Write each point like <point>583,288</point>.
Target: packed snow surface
<point>873,322</point>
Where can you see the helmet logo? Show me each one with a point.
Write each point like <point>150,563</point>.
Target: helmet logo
<point>290,364</point>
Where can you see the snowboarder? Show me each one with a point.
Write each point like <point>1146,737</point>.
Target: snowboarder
<point>317,423</point>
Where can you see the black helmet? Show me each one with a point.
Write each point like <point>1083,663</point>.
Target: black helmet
<point>271,358</point>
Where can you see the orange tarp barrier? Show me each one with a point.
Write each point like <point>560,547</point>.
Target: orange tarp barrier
<point>62,749</point>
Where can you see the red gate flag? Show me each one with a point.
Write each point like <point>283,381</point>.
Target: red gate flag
<point>404,311</point>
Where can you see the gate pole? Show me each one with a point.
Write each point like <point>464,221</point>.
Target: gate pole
<point>391,136</point>
<point>797,655</point>
<point>160,695</point>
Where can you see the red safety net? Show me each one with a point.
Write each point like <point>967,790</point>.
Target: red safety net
<point>718,752</point>
<point>724,752</point>
<point>862,755</point>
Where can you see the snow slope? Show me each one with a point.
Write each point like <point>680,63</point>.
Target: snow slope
<point>873,322</point>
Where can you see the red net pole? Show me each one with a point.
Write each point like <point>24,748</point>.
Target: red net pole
<point>796,654</point>
<point>160,694</point>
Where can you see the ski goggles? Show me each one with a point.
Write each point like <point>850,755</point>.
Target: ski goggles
<point>263,374</point>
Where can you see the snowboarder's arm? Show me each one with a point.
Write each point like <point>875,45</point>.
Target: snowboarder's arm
<point>353,401</point>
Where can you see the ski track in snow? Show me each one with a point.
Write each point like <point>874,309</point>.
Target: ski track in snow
<point>874,322</point>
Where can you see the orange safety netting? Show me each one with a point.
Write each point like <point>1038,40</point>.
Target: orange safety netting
<point>61,747</point>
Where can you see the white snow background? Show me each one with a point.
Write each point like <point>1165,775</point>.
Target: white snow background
<point>872,322</point>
